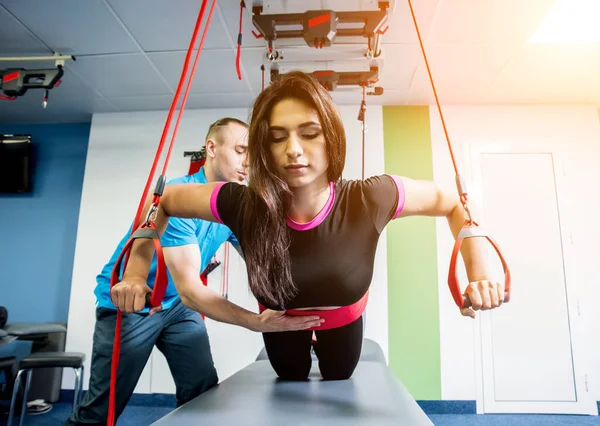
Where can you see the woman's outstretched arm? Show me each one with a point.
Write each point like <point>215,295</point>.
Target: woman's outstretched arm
<point>426,198</point>
<point>187,200</point>
<point>178,200</point>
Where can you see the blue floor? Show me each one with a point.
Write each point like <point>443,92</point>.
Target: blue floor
<point>145,415</point>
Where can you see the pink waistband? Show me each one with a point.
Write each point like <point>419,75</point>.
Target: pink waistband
<point>334,318</point>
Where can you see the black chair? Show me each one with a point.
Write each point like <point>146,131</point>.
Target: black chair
<point>72,360</point>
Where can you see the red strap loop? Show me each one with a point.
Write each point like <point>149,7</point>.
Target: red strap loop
<point>161,280</point>
<point>471,230</point>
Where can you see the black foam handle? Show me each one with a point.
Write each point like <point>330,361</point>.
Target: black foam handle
<point>146,233</point>
<point>160,185</point>
<point>148,297</point>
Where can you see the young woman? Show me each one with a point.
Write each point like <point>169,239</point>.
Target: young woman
<point>308,237</point>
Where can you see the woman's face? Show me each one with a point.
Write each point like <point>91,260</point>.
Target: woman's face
<point>297,144</point>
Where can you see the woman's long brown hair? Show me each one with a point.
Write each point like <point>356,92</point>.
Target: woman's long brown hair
<point>264,226</point>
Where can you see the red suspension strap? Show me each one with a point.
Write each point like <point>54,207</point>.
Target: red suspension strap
<point>239,42</point>
<point>363,125</point>
<point>471,228</point>
<point>225,273</point>
<point>147,229</point>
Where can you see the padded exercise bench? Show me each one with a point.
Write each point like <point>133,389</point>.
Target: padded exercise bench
<point>254,396</point>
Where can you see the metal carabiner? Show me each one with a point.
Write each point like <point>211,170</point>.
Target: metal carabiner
<point>469,217</point>
<point>152,213</point>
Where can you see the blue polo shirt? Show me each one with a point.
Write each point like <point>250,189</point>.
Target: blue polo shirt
<point>207,235</point>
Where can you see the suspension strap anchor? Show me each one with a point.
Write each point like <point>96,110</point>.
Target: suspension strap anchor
<point>461,187</point>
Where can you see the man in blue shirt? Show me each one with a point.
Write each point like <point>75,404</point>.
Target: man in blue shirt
<point>175,328</point>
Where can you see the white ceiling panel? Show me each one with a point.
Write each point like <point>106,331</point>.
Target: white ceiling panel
<point>163,103</point>
<point>15,39</point>
<point>460,70</point>
<point>215,72</point>
<point>121,75</point>
<point>225,100</point>
<point>543,73</point>
<point>401,27</point>
<point>401,61</point>
<point>142,103</point>
<point>487,21</point>
<point>73,26</point>
<point>421,92</point>
<point>28,109</point>
<point>541,94</point>
<point>86,105</point>
<point>169,26</point>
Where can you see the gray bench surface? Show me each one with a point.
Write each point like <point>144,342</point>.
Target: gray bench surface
<point>254,396</point>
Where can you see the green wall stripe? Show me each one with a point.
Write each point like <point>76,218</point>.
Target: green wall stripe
<point>414,330</point>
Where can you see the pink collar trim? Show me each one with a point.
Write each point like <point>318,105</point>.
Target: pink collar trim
<point>320,217</point>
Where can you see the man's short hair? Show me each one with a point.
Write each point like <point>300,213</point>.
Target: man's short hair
<point>214,131</point>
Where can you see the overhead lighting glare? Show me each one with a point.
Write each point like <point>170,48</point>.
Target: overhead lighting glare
<point>570,22</point>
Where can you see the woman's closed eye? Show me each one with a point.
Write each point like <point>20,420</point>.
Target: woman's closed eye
<point>311,135</point>
<point>276,139</point>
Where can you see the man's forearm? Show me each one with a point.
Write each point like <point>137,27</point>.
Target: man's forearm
<point>216,307</point>
<point>140,259</point>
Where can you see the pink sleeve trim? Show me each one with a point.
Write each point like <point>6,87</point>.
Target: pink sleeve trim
<point>401,195</point>
<point>213,201</point>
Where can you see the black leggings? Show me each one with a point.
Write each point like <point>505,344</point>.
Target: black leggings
<point>338,351</point>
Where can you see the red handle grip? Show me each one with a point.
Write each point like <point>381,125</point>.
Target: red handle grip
<point>470,231</point>
<point>161,280</point>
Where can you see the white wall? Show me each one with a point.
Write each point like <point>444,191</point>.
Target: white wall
<point>120,153</point>
<point>573,133</point>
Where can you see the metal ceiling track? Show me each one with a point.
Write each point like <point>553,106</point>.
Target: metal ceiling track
<point>341,34</point>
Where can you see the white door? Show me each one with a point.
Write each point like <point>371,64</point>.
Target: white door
<point>527,356</point>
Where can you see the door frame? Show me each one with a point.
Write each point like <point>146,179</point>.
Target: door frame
<point>585,402</point>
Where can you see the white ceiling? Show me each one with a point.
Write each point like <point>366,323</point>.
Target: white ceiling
<point>130,54</point>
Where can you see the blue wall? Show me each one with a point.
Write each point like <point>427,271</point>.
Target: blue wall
<point>38,229</point>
